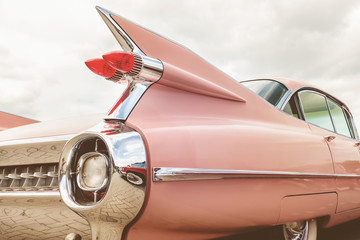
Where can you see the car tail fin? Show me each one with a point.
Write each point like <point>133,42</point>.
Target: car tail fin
<point>199,76</point>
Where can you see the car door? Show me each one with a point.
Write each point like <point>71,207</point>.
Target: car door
<point>330,119</point>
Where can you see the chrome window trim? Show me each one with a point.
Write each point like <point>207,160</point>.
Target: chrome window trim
<point>282,99</point>
<point>301,107</point>
<point>353,126</point>
<point>348,121</point>
<point>331,116</point>
<point>293,93</point>
<point>167,174</point>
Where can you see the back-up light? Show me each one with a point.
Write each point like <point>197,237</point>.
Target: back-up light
<point>116,64</point>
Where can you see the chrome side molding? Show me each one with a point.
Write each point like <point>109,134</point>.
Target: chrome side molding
<point>186,174</point>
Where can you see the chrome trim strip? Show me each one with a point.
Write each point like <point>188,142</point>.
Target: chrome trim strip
<point>283,99</point>
<point>37,140</point>
<point>124,40</point>
<point>283,104</point>
<point>128,103</point>
<point>352,123</point>
<point>185,174</point>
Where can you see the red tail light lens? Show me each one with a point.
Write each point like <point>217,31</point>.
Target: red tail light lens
<point>100,67</point>
<point>122,61</point>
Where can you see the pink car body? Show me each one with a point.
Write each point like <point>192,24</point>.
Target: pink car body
<point>219,158</point>
<point>8,120</point>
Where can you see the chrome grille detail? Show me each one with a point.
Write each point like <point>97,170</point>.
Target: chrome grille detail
<point>38,177</point>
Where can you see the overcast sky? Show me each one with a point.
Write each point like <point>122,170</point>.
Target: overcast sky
<point>43,46</point>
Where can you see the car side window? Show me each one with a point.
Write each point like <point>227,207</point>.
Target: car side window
<point>315,109</point>
<point>339,119</point>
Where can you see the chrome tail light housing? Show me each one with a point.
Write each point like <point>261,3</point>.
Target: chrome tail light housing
<point>96,175</point>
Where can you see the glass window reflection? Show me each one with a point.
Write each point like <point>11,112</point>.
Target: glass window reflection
<point>316,110</point>
<point>339,119</point>
<point>269,90</point>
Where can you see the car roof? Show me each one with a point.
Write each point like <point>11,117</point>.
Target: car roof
<point>291,84</point>
<point>294,85</point>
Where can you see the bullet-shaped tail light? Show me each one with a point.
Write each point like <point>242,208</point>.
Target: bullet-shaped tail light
<point>123,61</point>
<point>100,67</point>
<point>134,64</point>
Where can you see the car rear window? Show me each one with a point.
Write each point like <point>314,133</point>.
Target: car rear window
<point>269,90</point>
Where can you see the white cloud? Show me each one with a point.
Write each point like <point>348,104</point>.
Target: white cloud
<point>44,44</point>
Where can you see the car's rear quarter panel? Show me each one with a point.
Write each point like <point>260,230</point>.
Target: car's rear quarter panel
<point>187,130</point>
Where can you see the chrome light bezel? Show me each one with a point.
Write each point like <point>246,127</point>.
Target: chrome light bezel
<point>123,146</point>
<point>72,192</point>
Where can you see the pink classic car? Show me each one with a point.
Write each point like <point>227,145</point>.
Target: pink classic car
<point>185,153</point>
